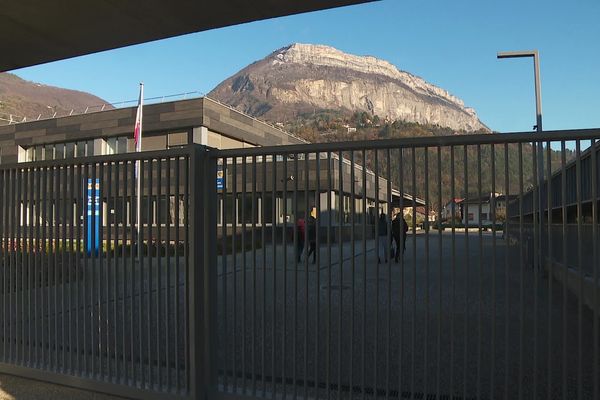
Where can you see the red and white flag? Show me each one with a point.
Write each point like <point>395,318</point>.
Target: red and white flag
<point>137,131</point>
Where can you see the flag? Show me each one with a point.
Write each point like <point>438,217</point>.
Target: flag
<point>137,130</point>
<point>137,137</point>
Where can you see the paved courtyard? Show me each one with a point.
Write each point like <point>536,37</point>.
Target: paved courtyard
<point>460,316</point>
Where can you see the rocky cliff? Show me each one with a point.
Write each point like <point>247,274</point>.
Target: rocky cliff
<point>305,78</point>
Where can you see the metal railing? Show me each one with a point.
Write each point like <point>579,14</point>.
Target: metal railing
<point>278,279</point>
<point>80,305</point>
<point>314,308</point>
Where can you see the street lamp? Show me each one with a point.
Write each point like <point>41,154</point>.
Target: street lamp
<point>536,71</point>
<point>538,127</point>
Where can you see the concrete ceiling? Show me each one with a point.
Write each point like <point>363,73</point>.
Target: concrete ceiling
<point>34,32</point>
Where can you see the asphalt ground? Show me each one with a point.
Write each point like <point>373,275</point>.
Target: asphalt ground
<point>460,316</point>
<point>463,315</point>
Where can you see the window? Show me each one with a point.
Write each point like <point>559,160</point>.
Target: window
<point>59,151</point>
<point>177,139</point>
<point>70,150</point>
<point>80,149</point>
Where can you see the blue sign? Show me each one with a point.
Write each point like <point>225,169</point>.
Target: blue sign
<point>220,178</point>
<point>93,216</point>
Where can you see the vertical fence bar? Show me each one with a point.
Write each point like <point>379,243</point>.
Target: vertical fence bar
<point>91,237</point>
<point>242,206</point>
<point>12,264</point>
<point>150,246</point>
<point>507,274</point>
<point>537,212</point>
<point>284,181</point>
<point>235,220</point>
<point>19,275</point>
<point>594,177</point>
<point>168,325</point>
<point>31,270</point>
<point>274,256</point>
<point>4,248</point>
<point>102,319</point>
<point>353,268</point>
<point>72,257</point>
<point>466,268</point>
<point>330,216</point>
<point>317,272</point>
<point>79,321</point>
<point>263,214</point>
<point>140,299</point>
<point>19,320</point>
<point>340,266</point>
<point>114,182</point>
<point>453,270</point>
<point>296,262</point>
<point>401,318</point>
<point>522,275</point>
<point>253,238</point>
<point>311,239</point>
<point>13,267</point>
<point>494,270</point>
<point>427,277</point>
<point>414,265</point>
<point>381,257</point>
<point>45,286</point>
<point>224,345</point>
<point>178,319</point>
<point>579,269</point>
<point>565,267</point>
<point>441,264</point>
<point>550,266</point>
<point>159,257</point>
<point>61,208</point>
<point>99,214</point>
<point>480,276</point>
<point>364,282</point>
<point>188,275</point>
<point>389,274</point>
<point>129,184</point>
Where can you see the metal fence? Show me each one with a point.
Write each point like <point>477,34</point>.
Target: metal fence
<point>312,302</point>
<point>80,305</point>
<point>286,272</point>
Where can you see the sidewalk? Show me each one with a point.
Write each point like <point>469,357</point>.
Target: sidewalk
<point>14,388</point>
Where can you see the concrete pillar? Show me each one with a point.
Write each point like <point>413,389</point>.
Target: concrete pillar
<point>200,135</point>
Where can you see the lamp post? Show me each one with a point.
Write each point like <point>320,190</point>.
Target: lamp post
<point>538,127</point>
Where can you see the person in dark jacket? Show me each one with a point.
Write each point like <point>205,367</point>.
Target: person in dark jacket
<point>399,230</point>
<point>382,231</point>
<point>301,231</point>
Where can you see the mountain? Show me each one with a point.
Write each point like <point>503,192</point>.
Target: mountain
<point>23,99</point>
<point>305,78</point>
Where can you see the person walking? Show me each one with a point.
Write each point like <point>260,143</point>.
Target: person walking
<point>301,230</point>
<point>397,235</point>
<point>312,234</point>
<point>382,231</point>
<point>404,235</point>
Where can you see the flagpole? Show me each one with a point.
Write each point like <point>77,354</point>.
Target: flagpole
<point>138,148</point>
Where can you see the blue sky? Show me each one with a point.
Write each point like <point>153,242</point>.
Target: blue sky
<point>452,44</point>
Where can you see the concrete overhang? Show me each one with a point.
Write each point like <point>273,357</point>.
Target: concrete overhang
<point>35,32</point>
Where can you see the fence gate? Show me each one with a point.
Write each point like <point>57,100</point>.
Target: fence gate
<point>492,292</point>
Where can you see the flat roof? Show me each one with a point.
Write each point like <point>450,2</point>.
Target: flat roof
<point>36,32</point>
